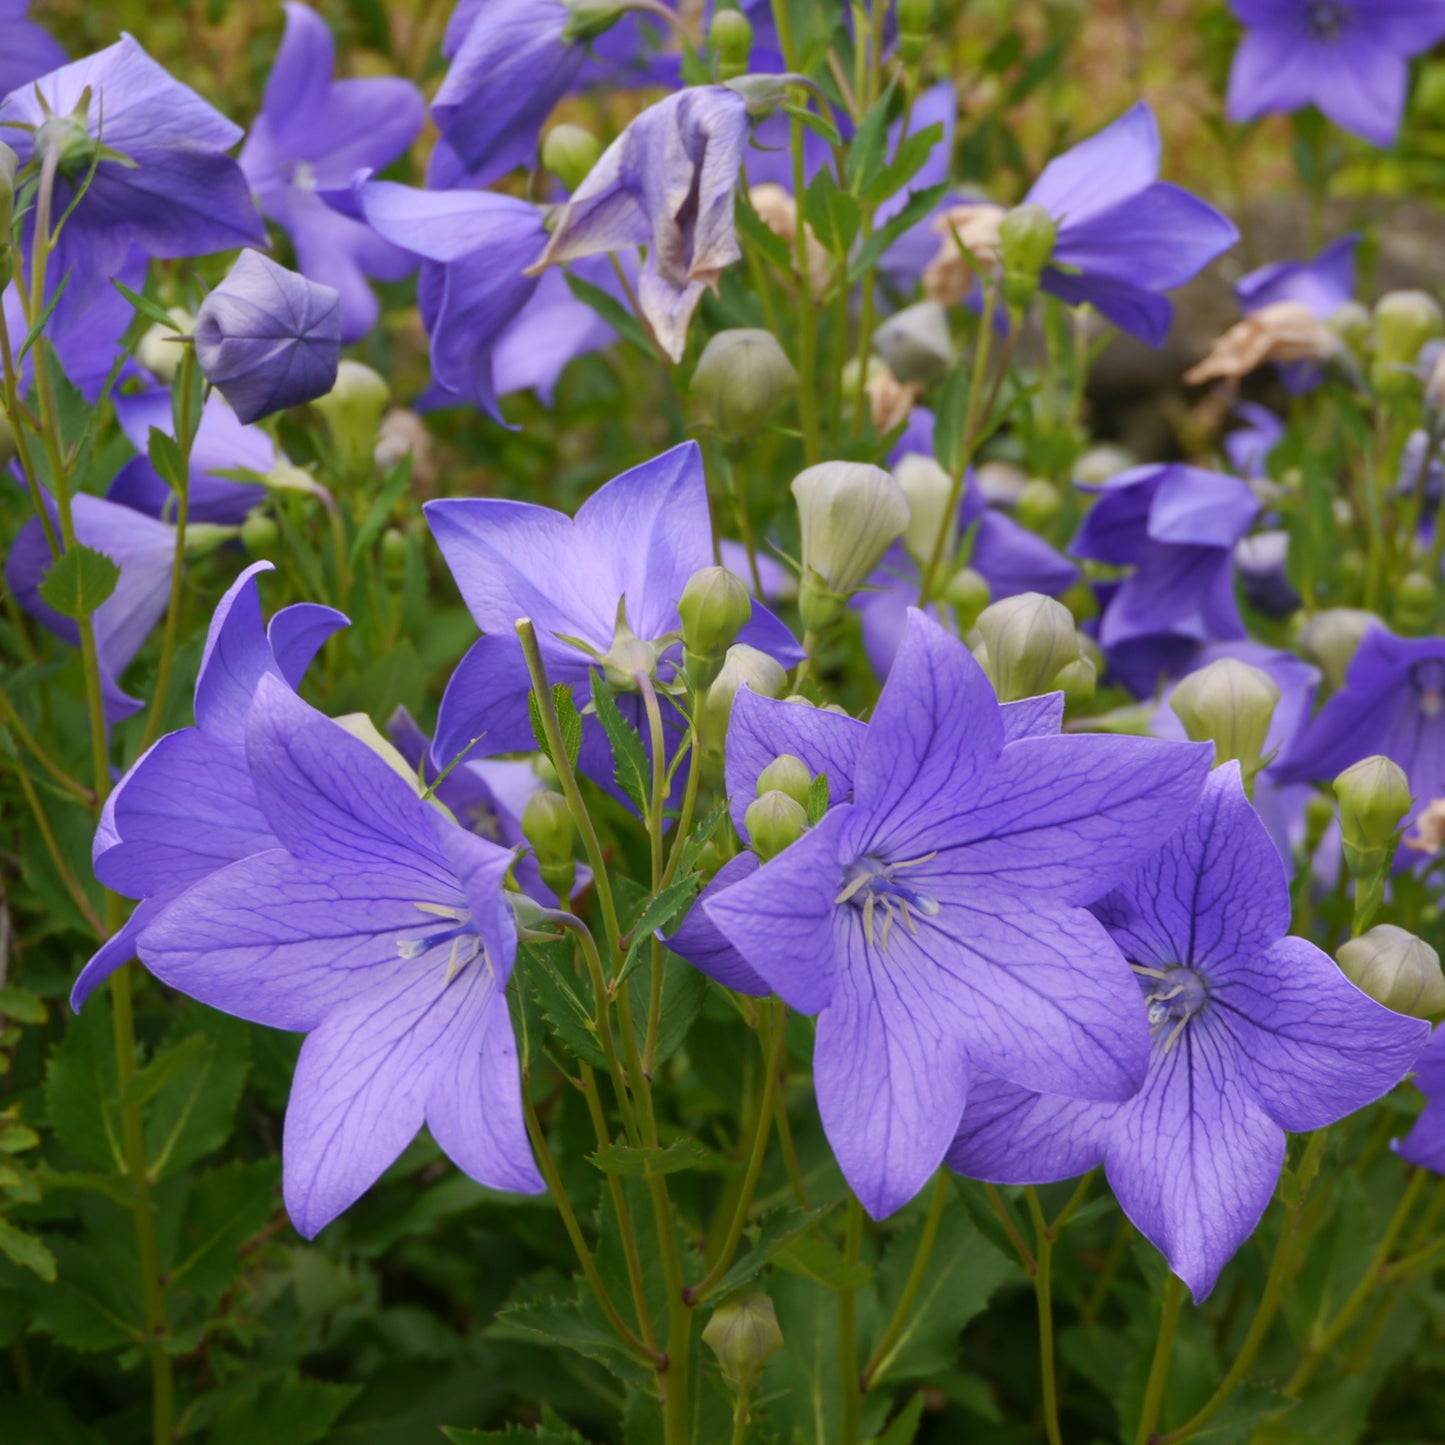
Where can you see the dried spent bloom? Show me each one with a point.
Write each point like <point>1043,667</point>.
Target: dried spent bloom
<point>1285,332</point>
<point>970,245</point>
<point>268,339</point>
<point>778,211</point>
<point>890,401</point>
<point>403,433</point>
<point>1429,834</point>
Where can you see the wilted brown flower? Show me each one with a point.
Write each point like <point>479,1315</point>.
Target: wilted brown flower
<point>948,278</point>
<point>1285,331</point>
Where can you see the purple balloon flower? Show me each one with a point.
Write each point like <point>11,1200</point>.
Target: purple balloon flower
<point>666,183</point>
<point>935,922</point>
<point>1177,526</point>
<point>379,928</point>
<point>140,546</point>
<point>179,194</point>
<point>268,339</point>
<point>1424,1145</point>
<point>188,806</point>
<point>1348,57</point>
<point>1248,446</point>
<point>1254,1032</point>
<point>475,245</point>
<point>26,51</point>
<point>1393,702</point>
<point>635,541</point>
<point>313,134</point>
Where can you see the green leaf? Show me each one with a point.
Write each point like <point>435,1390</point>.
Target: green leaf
<point>79,581</point>
<point>79,1077</point>
<point>652,1161</point>
<point>834,215</point>
<point>15,1137</point>
<point>820,125</point>
<point>912,156</point>
<point>26,1251</point>
<point>33,335</point>
<point>660,911</point>
<point>865,153</point>
<point>558,1322</point>
<point>225,1207</point>
<point>702,836</point>
<point>817,799</point>
<point>684,989</point>
<point>547,971</point>
<point>376,516</point>
<point>952,413</point>
<point>23,1007</point>
<point>904,1426</point>
<point>569,722</point>
<point>612,311</point>
<point>148,1082</point>
<point>165,456</point>
<point>776,1231</point>
<point>554,1432</point>
<point>96,1301</point>
<point>629,758</point>
<point>194,1110</point>
<point>919,204</point>
<point>151,310</point>
<point>816,1259</point>
<point>297,1412</point>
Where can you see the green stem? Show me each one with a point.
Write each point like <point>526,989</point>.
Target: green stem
<point>11,719</point>
<point>882,1355</point>
<point>1010,1228</point>
<point>1044,1296</point>
<point>851,1403</point>
<point>1159,1368</point>
<point>657,797</point>
<point>57,856</point>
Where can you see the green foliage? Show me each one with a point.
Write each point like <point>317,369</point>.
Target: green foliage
<point>79,581</point>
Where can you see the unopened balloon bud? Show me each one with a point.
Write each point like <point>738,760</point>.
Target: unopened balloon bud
<point>929,490</point>
<point>968,593</point>
<point>1330,640</point>
<point>1038,505</point>
<point>1415,594</point>
<point>1095,466</point>
<point>850,515</point>
<point>393,554</point>
<point>786,774</point>
<point>917,344</point>
<point>743,1333</point>
<point>715,607</point>
<point>731,37</point>
<point>68,137</point>
<point>743,666</point>
<point>569,152</point>
<point>1230,704</point>
<point>1026,236</point>
<point>1404,322</point>
<point>547,824</point>
<point>1078,680</point>
<point>258,533</point>
<point>774,821</point>
<point>352,410</point>
<point>1396,969</point>
<point>161,349</point>
<point>9,165</point>
<point>1352,324</point>
<point>1374,796</point>
<point>587,19</point>
<point>1028,640</point>
<point>743,376</point>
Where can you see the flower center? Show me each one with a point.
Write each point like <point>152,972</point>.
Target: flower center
<point>1327,19</point>
<point>1428,680</point>
<point>870,884</point>
<point>462,942</point>
<point>1173,996</point>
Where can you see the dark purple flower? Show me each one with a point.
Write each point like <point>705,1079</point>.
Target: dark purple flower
<point>268,339</point>
<point>1393,702</point>
<point>1177,527</point>
<point>475,245</point>
<point>177,194</point>
<point>140,546</point>
<point>313,134</point>
<point>666,183</point>
<point>1424,1145</point>
<point>221,444</point>
<point>188,806</point>
<point>381,929</point>
<point>1348,57</point>
<point>934,922</point>
<point>1254,1032</point>
<point>26,51</point>
<point>636,542</point>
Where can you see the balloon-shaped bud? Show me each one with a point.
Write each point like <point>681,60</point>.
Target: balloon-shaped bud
<point>715,607</point>
<point>259,533</point>
<point>786,774</point>
<point>569,152</point>
<point>1028,641</point>
<point>1230,704</point>
<point>1396,969</point>
<point>1026,235</point>
<point>1331,638</point>
<point>161,348</point>
<point>1404,322</point>
<point>743,376</point>
<point>1351,322</point>
<point>743,1333</point>
<point>587,19</point>
<point>393,553</point>
<point>1039,503</point>
<point>774,821</point>
<point>968,593</point>
<point>915,29</point>
<point>1374,796</point>
<point>850,513</point>
<point>731,37</point>
<point>1098,464</point>
<point>743,666</point>
<point>917,344</point>
<point>547,824</point>
<point>352,410</point>
<point>268,339</point>
<point>928,489</point>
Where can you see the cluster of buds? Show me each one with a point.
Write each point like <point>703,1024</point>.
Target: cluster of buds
<point>1030,646</point>
<point>778,816</point>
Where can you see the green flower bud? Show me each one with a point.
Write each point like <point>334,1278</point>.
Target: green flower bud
<point>258,532</point>
<point>1026,235</point>
<point>1374,797</point>
<point>1230,704</point>
<point>743,376</point>
<point>731,37</point>
<point>548,826</point>
<point>1028,640</point>
<point>928,489</point>
<point>1351,323</point>
<point>1330,640</point>
<point>715,607</point>
<point>1404,322</point>
<point>743,1333</point>
<point>1415,593</point>
<point>915,29</point>
<point>70,138</point>
<point>1396,969</point>
<point>352,410</point>
<point>569,152</point>
<point>203,538</point>
<point>968,593</point>
<point>393,553</point>
<point>916,344</point>
<point>773,822</point>
<point>786,774</point>
<point>162,348</point>
<point>743,666</point>
<point>1100,463</point>
<point>587,19</point>
<point>1038,505</point>
<point>851,513</point>
<point>1078,681</point>
<point>9,164</point>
